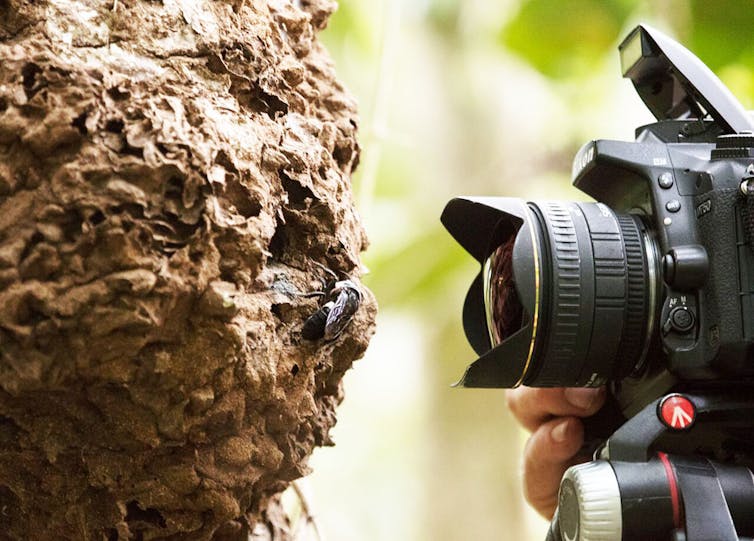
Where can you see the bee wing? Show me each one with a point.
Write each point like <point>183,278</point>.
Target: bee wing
<point>342,311</point>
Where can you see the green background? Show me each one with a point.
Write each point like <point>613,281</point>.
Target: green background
<point>463,97</point>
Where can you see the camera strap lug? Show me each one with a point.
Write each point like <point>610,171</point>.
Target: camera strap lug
<point>747,189</point>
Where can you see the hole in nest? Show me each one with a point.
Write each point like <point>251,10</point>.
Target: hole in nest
<point>3,105</point>
<point>144,237</point>
<point>35,239</point>
<point>144,517</point>
<point>257,99</point>
<point>133,151</point>
<point>342,155</point>
<point>30,315</point>
<point>228,274</point>
<point>117,94</point>
<point>71,225</point>
<point>29,75</point>
<point>11,507</point>
<point>132,209</point>
<point>297,192</point>
<point>80,123</point>
<point>114,125</point>
<point>174,187</point>
<point>9,431</point>
<point>249,208</point>
<point>278,242</point>
<point>224,160</point>
<point>239,196</point>
<point>294,369</point>
<point>96,218</point>
<point>277,310</point>
<point>269,103</point>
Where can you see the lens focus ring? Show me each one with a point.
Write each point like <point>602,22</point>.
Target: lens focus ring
<point>632,341</point>
<point>567,291</point>
<point>566,274</point>
<point>595,295</point>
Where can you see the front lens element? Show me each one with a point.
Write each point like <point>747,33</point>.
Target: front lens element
<point>504,310</point>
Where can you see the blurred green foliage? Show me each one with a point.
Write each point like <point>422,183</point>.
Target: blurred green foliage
<point>568,40</point>
<point>721,32</point>
<point>443,17</point>
<point>565,40</point>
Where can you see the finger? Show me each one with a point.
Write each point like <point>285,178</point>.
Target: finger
<point>551,449</point>
<point>534,406</point>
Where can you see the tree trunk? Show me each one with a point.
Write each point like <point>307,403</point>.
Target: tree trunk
<point>173,177</point>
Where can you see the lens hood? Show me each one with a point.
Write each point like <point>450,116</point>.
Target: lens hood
<point>585,279</point>
<point>480,225</point>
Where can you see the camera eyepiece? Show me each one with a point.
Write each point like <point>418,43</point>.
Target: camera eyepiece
<point>567,292</point>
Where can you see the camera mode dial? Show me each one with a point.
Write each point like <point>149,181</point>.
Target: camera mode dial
<point>735,145</point>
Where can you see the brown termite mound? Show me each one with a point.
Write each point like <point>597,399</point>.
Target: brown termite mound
<point>173,175</point>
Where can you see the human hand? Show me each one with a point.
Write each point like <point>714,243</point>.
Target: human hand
<point>552,415</point>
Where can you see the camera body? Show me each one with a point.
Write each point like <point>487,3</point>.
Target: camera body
<point>650,291</point>
<point>688,181</point>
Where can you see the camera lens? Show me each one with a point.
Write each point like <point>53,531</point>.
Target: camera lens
<point>595,281</point>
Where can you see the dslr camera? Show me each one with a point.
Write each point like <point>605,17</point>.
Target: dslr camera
<point>649,291</point>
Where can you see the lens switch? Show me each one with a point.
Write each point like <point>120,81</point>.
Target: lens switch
<point>681,319</point>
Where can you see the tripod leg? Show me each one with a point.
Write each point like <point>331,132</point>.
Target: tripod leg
<point>707,517</point>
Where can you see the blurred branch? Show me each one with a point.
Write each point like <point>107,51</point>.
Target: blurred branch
<point>380,108</point>
<point>307,515</point>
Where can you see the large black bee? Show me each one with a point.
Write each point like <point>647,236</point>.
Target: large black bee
<point>342,300</point>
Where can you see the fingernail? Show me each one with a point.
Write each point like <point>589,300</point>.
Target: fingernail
<point>582,397</point>
<point>559,432</point>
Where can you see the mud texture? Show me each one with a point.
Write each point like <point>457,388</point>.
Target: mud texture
<point>172,175</point>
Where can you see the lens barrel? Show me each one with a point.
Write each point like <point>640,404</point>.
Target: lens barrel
<point>567,294</point>
<point>596,293</point>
